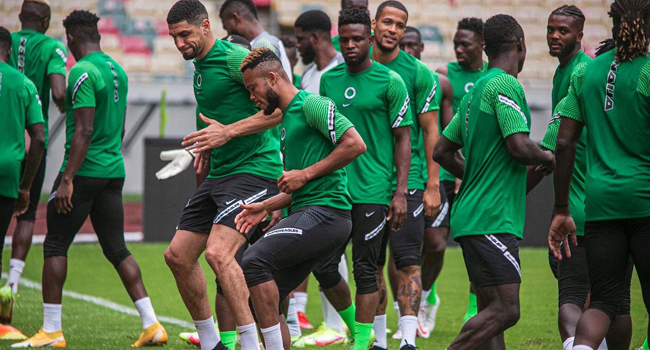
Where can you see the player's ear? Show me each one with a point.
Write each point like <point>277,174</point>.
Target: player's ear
<point>421,46</point>
<point>205,26</point>
<point>46,23</point>
<point>371,38</point>
<point>373,22</point>
<point>272,78</point>
<point>579,37</point>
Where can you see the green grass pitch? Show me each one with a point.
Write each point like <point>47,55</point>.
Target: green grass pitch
<point>88,326</point>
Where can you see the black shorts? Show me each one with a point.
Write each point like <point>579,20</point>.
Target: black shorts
<point>444,214</point>
<point>35,191</point>
<point>289,251</point>
<point>609,245</point>
<point>450,188</point>
<point>100,198</point>
<point>406,243</point>
<point>218,201</point>
<point>491,259</point>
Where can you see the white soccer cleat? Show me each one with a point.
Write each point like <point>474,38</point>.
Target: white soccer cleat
<point>427,314</point>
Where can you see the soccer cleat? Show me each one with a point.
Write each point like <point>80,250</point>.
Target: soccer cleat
<point>408,346</point>
<point>427,315</point>
<point>6,304</point>
<point>375,347</point>
<point>153,335</point>
<point>298,342</point>
<point>303,321</point>
<point>10,333</point>
<point>422,331</point>
<point>324,336</point>
<point>43,339</point>
<point>191,338</point>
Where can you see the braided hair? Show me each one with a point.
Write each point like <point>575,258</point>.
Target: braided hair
<point>631,28</point>
<point>571,11</point>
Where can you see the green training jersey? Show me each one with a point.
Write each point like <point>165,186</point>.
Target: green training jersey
<point>220,95</point>
<point>461,80</point>
<point>562,78</point>
<point>311,128</point>
<point>296,80</point>
<point>21,108</point>
<point>97,81</point>
<point>612,99</point>
<point>421,87</point>
<point>495,109</point>
<point>374,112</point>
<point>577,189</point>
<point>561,81</point>
<point>37,56</point>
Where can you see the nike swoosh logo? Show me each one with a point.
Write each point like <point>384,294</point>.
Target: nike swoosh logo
<point>346,105</point>
<point>412,192</point>
<point>230,201</point>
<point>369,214</point>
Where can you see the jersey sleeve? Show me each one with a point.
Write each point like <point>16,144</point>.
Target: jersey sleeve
<point>454,130</point>
<point>550,137</point>
<point>322,90</point>
<point>506,96</point>
<point>643,85</point>
<point>322,115</point>
<point>235,56</point>
<point>425,89</point>
<point>398,101</point>
<point>34,109</point>
<point>571,107</point>
<point>58,58</point>
<point>87,81</point>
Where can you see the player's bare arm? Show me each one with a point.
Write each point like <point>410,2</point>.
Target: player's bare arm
<point>429,123</point>
<point>57,82</point>
<point>216,134</point>
<point>402,156</point>
<point>36,149</point>
<point>447,154</point>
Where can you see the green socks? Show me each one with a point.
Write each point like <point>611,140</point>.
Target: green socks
<point>229,339</point>
<point>348,317</point>
<point>432,299</point>
<point>645,344</point>
<point>362,335</point>
<point>472,309</point>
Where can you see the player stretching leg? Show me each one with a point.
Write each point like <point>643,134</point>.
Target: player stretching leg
<point>21,112</point>
<point>42,59</point>
<point>492,124</point>
<point>317,142</point>
<point>616,225</point>
<point>90,182</point>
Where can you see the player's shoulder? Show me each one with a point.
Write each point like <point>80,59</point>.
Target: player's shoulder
<point>503,80</point>
<point>10,74</point>
<point>335,72</point>
<point>312,101</point>
<point>82,70</point>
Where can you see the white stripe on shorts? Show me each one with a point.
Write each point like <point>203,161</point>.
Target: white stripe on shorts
<point>444,209</point>
<point>236,205</point>
<point>502,247</point>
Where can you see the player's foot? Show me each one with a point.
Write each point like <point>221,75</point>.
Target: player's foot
<point>304,321</point>
<point>221,346</point>
<point>6,304</point>
<point>427,317</point>
<point>398,334</point>
<point>298,341</point>
<point>11,333</point>
<point>422,331</point>
<point>325,336</point>
<point>191,338</point>
<point>375,347</point>
<point>152,336</point>
<point>43,339</point>
<point>408,347</point>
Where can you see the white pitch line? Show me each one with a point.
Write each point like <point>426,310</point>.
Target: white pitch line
<point>84,238</point>
<point>104,303</point>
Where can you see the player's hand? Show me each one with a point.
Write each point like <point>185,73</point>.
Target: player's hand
<point>179,159</point>
<point>561,226</point>
<point>397,211</point>
<point>458,182</point>
<point>431,200</point>
<point>549,165</point>
<point>22,203</point>
<point>202,162</point>
<point>292,181</point>
<point>213,136</point>
<point>63,198</point>
<point>251,216</point>
<point>276,216</point>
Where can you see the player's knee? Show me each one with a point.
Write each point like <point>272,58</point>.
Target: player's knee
<point>436,244</point>
<point>52,248</point>
<point>409,271</point>
<point>365,277</point>
<point>328,279</point>
<point>255,270</point>
<point>174,260</point>
<point>218,259</point>
<point>508,315</point>
<point>117,256</point>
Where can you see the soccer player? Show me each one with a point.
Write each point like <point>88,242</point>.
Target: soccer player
<point>21,110</point>
<point>240,17</point>
<point>492,125</point>
<point>411,43</point>
<point>423,199</point>
<point>462,74</point>
<point>243,171</point>
<point>317,142</point>
<point>616,86</point>
<point>90,182</point>
<point>382,117</point>
<point>42,59</point>
<point>312,29</point>
<point>292,53</point>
